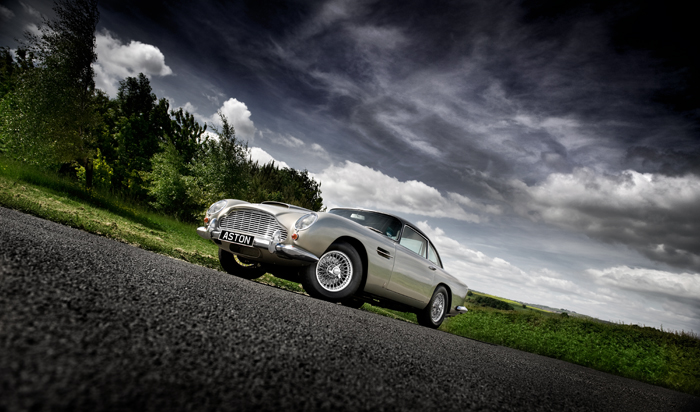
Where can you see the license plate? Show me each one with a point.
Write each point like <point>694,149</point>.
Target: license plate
<point>234,237</point>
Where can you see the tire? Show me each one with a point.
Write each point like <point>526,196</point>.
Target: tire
<point>251,270</point>
<point>433,314</point>
<point>336,276</point>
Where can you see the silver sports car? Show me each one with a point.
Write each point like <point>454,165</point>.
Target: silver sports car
<point>345,255</point>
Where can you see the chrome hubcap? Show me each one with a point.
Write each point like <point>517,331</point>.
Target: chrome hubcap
<point>438,307</point>
<point>334,271</point>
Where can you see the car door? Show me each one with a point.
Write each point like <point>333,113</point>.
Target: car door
<point>412,275</point>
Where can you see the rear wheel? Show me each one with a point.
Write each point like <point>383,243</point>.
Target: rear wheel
<point>336,276</point>
<point>433,314</point>
<point>241,268</point>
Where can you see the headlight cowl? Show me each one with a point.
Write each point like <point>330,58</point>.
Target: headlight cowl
<point>305,221</point>
<point>216,207</point>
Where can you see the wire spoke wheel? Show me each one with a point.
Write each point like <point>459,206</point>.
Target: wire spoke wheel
<point>438,308</point>
<point>334,271</point>
<point>434,313</point>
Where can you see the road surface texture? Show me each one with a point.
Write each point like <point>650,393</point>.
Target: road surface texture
<point>88,323</point>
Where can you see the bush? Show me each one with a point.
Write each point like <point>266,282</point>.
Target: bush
<point>491,303</point>
<point>170,187</point>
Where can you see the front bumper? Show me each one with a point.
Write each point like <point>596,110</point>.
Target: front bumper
<point>273,246</point>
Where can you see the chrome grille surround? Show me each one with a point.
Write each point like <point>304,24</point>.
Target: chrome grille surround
<point>257,223</point>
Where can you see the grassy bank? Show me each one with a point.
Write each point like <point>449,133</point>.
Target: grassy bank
<point>645,354</point>
<point>666,359</point>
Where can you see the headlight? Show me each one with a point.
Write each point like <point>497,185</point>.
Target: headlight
<point>305,221</point>
<point>216,207</point>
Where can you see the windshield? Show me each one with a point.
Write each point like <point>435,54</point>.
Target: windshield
<point>387,225</point>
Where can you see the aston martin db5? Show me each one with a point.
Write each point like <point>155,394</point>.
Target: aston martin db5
<point>346,255</point>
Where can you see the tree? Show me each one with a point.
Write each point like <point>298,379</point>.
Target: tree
<point>55,99</point>
<point>187,135</point>
<point>168,185</point>
<point>138,133</point>
<point>220,167</point>
<point>11,70</point>
<point>136,97</point>
<point>268,182</point>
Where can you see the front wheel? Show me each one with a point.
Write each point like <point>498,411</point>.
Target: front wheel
<point>433,314</point>
<point>336,276</point>
<point>240,267</point>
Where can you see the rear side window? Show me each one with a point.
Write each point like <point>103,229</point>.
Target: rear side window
<point>432,255</point>
<point>413,241</point>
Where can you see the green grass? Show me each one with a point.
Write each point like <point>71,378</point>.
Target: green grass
<point>646,354</point>
<point>666,359</point>
<point>54,198</point>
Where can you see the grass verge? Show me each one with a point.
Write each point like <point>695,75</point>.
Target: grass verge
<point>646,354</point>
<point>666,359</point>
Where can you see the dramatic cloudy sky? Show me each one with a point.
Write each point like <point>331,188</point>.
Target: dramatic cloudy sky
<point>551,149</point>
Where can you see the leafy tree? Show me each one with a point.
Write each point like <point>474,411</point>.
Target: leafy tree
<point>139,130</point>
<point>136,97</point>
<point>102,177</point>
<point>221,167</point>
<point>168,185</point>
<point>187,135</point>
<point>54,101</point>
<point>284,185</point>
<point>11,68</point>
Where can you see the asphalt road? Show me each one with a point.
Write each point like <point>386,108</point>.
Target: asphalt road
<point>87,323</point>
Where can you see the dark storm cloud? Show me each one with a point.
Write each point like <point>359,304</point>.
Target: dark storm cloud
<point>652,214</point>
<point>462,86</point>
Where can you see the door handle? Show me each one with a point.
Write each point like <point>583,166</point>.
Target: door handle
<point>431,267</point>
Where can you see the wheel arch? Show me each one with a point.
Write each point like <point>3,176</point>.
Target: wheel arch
<point>362,251</point>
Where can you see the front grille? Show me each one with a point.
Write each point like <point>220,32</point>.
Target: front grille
<point>260,224</point>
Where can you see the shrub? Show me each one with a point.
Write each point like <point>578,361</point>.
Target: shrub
<point>491,303</point>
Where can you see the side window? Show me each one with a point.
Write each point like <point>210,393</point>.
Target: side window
<point>432,255</point>
<point>413,241</point>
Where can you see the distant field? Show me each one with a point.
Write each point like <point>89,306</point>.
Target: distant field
<point>661,358</point>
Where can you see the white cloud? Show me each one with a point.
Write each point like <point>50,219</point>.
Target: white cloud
<point>116,61</point>
<point>352,184</point>
<point>6,13</point>
<point>33,29</point>
<point>238,116</point>
<point>30,10</point>
<point>653,214</point>
<point>379,37</point>
<point>633,295</point>
<point>290,141</point>
<point>262,157</point>
<point>685,285</point>
<point>457,256</point>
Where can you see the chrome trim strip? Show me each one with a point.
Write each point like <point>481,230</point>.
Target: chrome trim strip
<point>296,253</point>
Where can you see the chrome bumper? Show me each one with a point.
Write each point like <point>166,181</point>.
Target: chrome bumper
<point>459,309</point>
<point>273,246</point>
